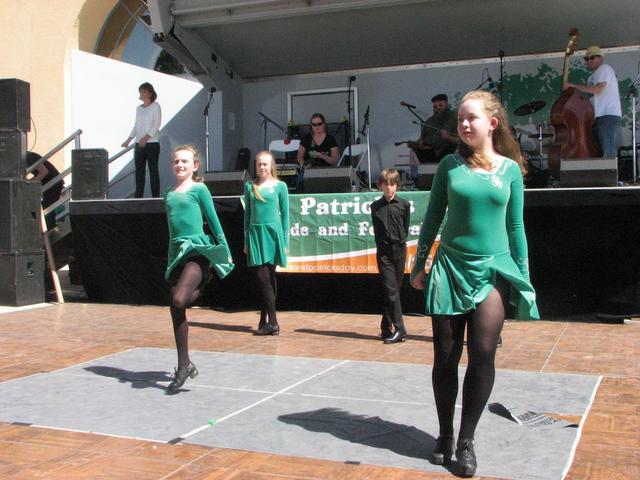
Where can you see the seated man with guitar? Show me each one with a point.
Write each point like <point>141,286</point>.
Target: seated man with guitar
<point>438,136</point>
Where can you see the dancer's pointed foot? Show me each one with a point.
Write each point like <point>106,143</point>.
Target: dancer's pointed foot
<point>180,377</point>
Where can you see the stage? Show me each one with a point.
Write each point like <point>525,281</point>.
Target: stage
<point>583,255</point>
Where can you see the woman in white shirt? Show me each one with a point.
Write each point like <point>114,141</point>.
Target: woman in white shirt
<point>145,131</point>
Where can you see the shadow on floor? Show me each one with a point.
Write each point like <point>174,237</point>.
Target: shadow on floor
<point>222,326</point>
<point>361,336</point>
<point>148,379</point>
<point>371,431</point>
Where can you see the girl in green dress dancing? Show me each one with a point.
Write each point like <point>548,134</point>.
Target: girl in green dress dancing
<point>481,263</point>
<point>192,253</point>
<point>266,234</point>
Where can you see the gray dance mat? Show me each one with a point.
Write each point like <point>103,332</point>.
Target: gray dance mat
<point>359,412</point>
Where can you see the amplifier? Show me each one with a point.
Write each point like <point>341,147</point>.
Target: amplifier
<point>226,183</point>
<point>625,163</point>
<point>288,173</point>
<point>426,172</point>
<point>90,171</point>
<point>328,180</point>
<point>589,172</point>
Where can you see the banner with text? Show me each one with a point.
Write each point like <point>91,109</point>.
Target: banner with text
<point>333,232</point>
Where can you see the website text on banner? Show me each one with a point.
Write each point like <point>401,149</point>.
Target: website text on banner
<point>333,232</point>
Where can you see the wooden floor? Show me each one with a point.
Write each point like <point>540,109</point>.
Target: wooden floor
<point>57,336</point>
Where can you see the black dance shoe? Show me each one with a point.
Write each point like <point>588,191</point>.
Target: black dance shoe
<point>398,336</point>
<point>268,329</point>
<point>181,376</point>
<point>444,450</point>
<point>466,457</point>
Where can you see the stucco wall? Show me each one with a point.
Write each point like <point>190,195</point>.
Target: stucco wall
<point>35,39</point>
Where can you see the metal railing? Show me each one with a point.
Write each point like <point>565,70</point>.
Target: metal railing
<point>75,136</point>
<point>126,175</point>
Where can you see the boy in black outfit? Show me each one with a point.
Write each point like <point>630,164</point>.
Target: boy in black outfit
<point>390,215</point>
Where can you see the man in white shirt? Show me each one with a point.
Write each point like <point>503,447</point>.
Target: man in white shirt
<point>603,85</point>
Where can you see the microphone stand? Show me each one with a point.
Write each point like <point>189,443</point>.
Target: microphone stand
<point>633,93</point>
<point>410,108</point>
<point>500,87</point>
<point>266,120</point>
<point>206,128</point>
<point>349,112</point>
<point>482,83</point>
<point>365,132</point>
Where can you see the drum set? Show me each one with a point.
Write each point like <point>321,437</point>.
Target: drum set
<point>534,146</point>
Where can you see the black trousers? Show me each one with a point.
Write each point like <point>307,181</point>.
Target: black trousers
<point>391,260</point>
<point>142,156</point>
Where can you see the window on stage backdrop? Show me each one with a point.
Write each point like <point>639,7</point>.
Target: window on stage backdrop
<point>332,103</point>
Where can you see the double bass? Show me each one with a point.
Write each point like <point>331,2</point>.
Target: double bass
<point>573,118</point>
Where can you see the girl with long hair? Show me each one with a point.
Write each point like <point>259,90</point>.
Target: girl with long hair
<point>192,253</point>
<point>480,265</point>
<point>266,235</point>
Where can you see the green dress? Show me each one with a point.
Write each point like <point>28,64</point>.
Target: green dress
<point>266,224</point>
<point>185,213</point>
<point>482,238</point>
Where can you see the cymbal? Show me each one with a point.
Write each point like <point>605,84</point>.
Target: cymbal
<point>529,108</point>
<point>537,135</point>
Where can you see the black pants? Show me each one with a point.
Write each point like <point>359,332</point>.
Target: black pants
<point>391,260</point>
<point>143,155</point>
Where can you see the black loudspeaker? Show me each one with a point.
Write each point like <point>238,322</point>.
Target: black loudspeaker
<point>21,278</point>
<point>13,153</point>
<point>226,183</point>
<point>328,180</point>
<point>589,172</point>
<point>90,172</point>
<point>15,109</point>
<point>426,172</point>
<point>625,163</point>
<point>20,227</point>
<point>244,157</point>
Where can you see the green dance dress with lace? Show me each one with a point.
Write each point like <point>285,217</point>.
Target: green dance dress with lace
<point>482,238</point>
<point>266,224</point>
<point>185,214</point>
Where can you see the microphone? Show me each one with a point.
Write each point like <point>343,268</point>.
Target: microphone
<point>352,78</point>
<point>366,121</point>
<point>501,54</point>
<point>289,133</point>
<point>212,90</point>
<point>491,84</point>
<point>405,104</point>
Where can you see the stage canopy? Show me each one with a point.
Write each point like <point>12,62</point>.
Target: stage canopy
<point>262,38</point>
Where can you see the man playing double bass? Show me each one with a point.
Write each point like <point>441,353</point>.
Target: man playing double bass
<point>603,85</point>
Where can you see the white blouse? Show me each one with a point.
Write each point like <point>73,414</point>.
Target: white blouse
<point>147,122</point>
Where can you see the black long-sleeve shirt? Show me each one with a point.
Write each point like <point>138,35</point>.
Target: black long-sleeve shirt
<point>390,220</point>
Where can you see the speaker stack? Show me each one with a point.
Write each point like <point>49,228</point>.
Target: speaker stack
<point>21,254</point>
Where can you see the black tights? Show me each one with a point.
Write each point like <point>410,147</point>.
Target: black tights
<point>183,294</point>
<point>266,275</point>
<point>484,326</point>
